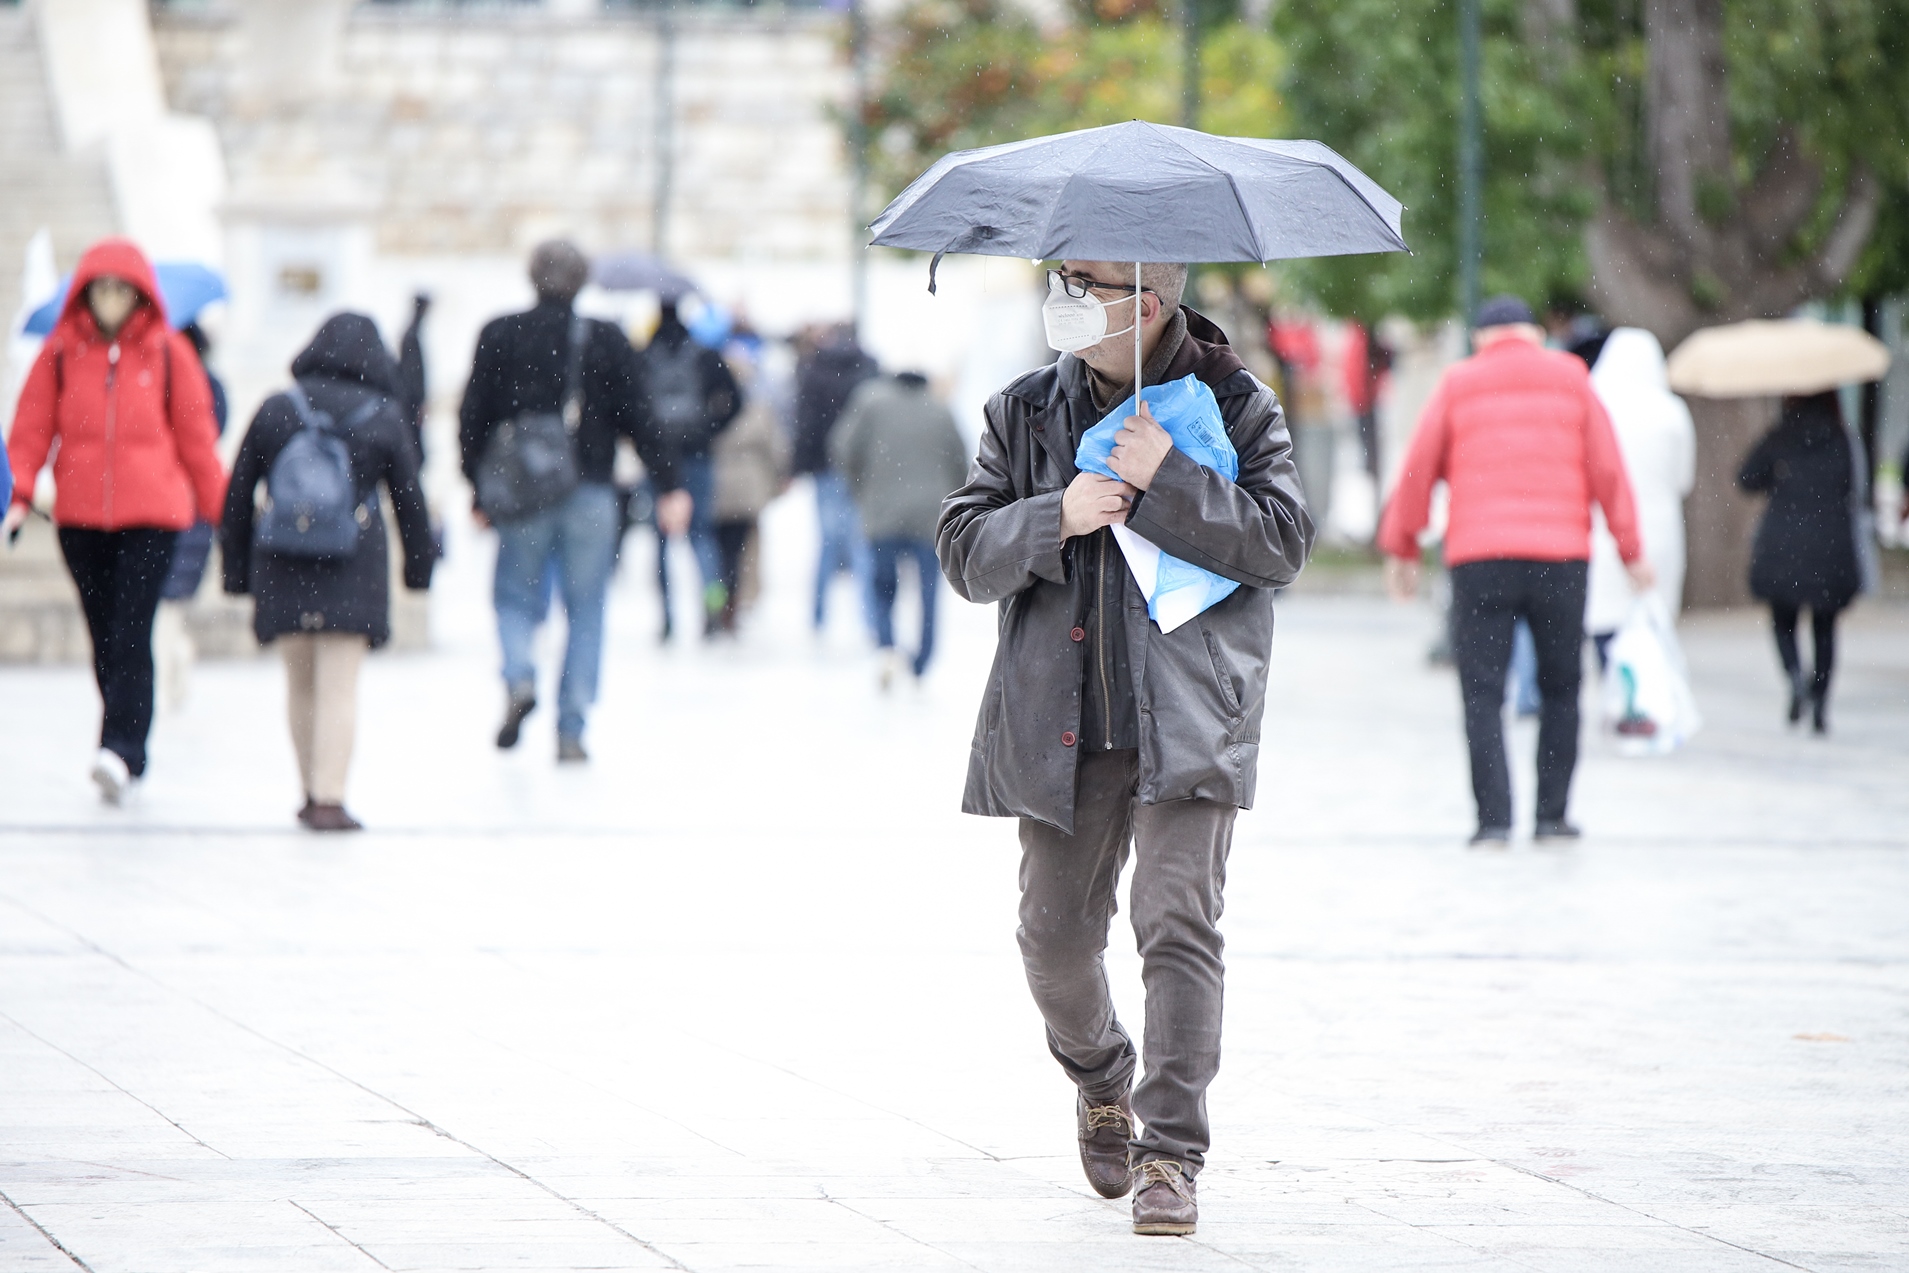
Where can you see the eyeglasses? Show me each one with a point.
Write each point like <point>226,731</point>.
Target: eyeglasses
<point>1078,285</point>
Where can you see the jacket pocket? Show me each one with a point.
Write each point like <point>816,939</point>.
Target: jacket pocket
<point>1229,688</point>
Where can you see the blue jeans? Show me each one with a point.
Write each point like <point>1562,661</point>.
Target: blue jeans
<point>579,538</point>
<point>1521,689</point>
<point>889,554</point>
<point>844,547</point>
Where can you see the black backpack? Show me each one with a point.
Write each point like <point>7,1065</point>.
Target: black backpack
<point>530,463</point>
<point>679,399</point>
<point>312,507</point>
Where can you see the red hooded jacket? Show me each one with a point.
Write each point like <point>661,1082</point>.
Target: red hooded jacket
<point>1517,434</point>
<point>131,417</point>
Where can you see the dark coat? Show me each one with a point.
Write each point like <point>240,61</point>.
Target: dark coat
<point>519,367</point>
<point>722,396</point>
<point>343,368</point>
<point>1805,548</point>
<point>823,384</point>
<point>1200,689</point>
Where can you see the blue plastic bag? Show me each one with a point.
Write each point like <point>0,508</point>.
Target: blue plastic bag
<point>1175,590</point>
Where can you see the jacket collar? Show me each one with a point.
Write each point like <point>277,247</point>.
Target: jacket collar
<point>1205,353</point>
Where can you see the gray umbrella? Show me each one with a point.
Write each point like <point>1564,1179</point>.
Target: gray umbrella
<point>1143,192</point>
<point>639,272</point>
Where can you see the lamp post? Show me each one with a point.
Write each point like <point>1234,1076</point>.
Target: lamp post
<point>858,180</point>
<point>1190,63</point>
<point>1470,162</point>
<point>665,140</point>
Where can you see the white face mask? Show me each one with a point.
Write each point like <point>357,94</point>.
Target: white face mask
<point>1075,323</point>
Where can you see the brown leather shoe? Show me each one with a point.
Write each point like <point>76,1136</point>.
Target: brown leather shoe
<point>331,817</point>
<point>1104,1132</point>
<point>1164,1205</point>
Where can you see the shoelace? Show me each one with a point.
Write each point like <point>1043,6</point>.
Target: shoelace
<point>1108,1116</point>
<point>1162,1171</point>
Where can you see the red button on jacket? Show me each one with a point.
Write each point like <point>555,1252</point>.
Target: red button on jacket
<point>1079,634</point>
<point>1067,739</point>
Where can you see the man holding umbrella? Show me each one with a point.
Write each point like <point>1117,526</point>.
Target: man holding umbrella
<point>1102,730</point>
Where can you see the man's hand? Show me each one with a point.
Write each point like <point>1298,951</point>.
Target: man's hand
<point>1139,447</point>
<point>672,511</point>
<point>1643,577</point>
<point>1401,578</point>
<point>1092,501</point>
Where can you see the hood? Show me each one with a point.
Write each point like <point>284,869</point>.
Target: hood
<point>119,258</point>
<point>348,347</point>
<point>1631,362</point>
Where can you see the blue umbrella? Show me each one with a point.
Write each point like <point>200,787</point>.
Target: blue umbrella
<point>186,287</point>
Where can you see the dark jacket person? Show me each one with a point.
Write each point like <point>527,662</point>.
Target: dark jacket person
<point>1804,556</point>
<point>520,366</point>
<point>1101,732</point>
<point>324,613</point>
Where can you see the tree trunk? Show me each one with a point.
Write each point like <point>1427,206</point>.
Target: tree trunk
<point>1719,519</point>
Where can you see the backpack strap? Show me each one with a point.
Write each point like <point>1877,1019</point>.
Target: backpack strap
<point>308,415</point>
<point>573,373</point>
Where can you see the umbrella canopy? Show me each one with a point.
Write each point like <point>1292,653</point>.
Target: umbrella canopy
<point>640,272</point>
<point>1792,356</point>
<point>186,287</point>
<point>1144,192</point>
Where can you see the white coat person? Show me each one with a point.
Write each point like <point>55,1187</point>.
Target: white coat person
<point>1659,445</point>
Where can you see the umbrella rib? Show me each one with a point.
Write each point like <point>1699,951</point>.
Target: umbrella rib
<point>1239,201</point>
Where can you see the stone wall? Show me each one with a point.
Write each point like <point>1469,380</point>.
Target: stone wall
<point>479,133</point>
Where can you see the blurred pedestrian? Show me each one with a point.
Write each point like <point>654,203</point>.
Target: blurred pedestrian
<point>826,377</point>
<point>1804,556</point>
<point>1104,734</point>
<point>548,361</point>
<point>123,399</point>
<point>900,453</point>
<point>1659,445</point>
<point>751,459</point>
<point>173,650</point>
<point>325,610</point>
<point>1524,447</point>
<point>692,398</point>
<point>414,393</point>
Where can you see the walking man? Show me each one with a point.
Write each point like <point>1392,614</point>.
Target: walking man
<point>522,366</point>
<point>1524,446</point>
<point>898,449</point>
<point>1102,733</point>
<point>825,379</point>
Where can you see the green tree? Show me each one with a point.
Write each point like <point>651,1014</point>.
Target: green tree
<point>1679,161</point>
<point>954,74</point>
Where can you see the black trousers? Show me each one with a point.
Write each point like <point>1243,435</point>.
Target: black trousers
<point>119,574</point>
<point>1823,637</point>
<point>1488,598</point>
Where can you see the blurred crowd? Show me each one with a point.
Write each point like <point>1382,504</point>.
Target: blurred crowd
<point>570,435</point>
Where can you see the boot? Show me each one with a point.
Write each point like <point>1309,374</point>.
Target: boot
<point>1104,1131</point>
<point>520,704</point>
<point>1819,711</point>
<point>1799,692</point>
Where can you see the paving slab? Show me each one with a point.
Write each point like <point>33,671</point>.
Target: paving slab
<point>743,992</point>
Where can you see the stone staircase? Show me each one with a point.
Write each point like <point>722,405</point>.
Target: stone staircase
<point>69,195</point>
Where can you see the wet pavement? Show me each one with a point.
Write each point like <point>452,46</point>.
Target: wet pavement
<point>743,992</point>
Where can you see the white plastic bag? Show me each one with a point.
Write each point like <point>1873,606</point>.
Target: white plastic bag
<point>1648,705</point>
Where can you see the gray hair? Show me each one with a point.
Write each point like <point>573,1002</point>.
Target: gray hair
<point>1165,280</point>
<point>558,270</point>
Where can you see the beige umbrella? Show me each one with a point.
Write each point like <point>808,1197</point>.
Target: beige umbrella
<point>1792,356</point>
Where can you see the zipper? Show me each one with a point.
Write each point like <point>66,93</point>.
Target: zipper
<point>1100,639</point>
<point>112,415</point>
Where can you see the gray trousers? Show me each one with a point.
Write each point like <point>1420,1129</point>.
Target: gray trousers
<point>1068,902</point>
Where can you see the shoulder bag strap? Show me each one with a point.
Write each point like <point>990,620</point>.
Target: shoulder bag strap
<point>573,373</point>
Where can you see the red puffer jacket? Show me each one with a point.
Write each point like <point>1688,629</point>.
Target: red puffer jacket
<point>1524,444</point>
<point>132,416</point>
